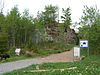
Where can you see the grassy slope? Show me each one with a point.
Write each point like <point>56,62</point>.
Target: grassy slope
<point>89,66</point>
<point>41,53</point>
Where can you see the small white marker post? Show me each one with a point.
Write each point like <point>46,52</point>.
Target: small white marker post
<point>76,52</point>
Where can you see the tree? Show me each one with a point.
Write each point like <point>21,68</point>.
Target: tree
<point>68,32</point>
<point>51,25</point>
<point>1,6</point>
<point>13,19</point>
<point>20,28</point>
<point>90,15</point>
<point>3,42</point>
<point>28,28</point>
<point>39,28</point>
<point>66,18</point>
<point>3,34</point>
<point>90,22</point>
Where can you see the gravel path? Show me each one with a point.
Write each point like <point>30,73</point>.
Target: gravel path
<point>61,57</point>
<point>10,66</point>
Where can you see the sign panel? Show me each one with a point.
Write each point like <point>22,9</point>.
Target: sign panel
<point>83,43</point>
<point>17,51</point>
<point>76,52</point>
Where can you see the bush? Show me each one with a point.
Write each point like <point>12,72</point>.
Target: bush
<point>29,54</point>
<point>3,42</point>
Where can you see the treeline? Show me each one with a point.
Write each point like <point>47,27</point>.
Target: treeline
<point>24,31</point>
<point>15,30</point>
<point>45,31</point>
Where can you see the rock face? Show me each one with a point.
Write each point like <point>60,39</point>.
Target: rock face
<point>70,35</point>
<point>52,30</point>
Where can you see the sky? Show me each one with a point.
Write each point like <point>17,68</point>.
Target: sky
<point>38,5</point>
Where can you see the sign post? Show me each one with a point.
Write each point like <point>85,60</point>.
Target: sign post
<point>84,44</point>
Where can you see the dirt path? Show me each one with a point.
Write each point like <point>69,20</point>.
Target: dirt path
<point>61,57</point>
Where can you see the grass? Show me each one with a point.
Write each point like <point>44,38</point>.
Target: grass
<point>41,52</point>
<point>15,58</point>
<point>88,66</point>
<point>54,48</point>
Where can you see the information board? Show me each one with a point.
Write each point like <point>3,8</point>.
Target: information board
<point>83,43</point>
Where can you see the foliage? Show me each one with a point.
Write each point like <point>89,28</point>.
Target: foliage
<point>66,17</point>
<point>32,34</point>
<point>20,28</point>
<point>90,23</point>
<point>51,26</point>
<point>3,35</point>
<point>70,35</point>
<point>3,43</point>
<point>50,13</point>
